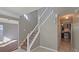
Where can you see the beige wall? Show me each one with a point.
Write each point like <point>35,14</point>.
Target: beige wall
<point>48,33</point>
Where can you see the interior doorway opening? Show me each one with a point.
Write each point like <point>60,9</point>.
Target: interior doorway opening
<point>65,33</point>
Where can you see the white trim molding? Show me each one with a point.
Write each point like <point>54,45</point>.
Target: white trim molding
<point>5,20</point>
<point>53,50</point>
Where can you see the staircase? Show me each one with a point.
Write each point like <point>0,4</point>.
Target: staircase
<point>33,35</point>
<point>24,45</point>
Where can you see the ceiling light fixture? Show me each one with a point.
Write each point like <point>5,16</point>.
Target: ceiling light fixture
<point>26,16</point>
<point>66,17</point>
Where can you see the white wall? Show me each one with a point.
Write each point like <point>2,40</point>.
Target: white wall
<point>48,33</point>
<point>1,32</point>
<point>16,11</point>
<point>10,30</point>
<point>26,26</point>
<point>33,19</point>
<point>75,33</point>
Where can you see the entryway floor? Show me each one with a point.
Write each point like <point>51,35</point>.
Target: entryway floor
<point>65,46</point>
<point>20,50</point>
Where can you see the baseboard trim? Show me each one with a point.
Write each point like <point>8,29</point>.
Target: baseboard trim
<point>53,50</point>
<point>34,49</point>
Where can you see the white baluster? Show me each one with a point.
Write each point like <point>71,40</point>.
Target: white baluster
<point>28,46</point>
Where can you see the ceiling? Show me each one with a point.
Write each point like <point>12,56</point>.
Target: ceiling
<point>19,11</point>
<point>16,11</point>
<point>65,10</point>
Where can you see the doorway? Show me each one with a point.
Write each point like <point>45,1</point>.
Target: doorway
<point>65,33</point>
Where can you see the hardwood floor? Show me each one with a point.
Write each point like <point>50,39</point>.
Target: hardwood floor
<point>24,45</point>
<point>65,46</point>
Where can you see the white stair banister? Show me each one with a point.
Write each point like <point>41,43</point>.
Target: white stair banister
<point>39,30</point>
<point>46,18</point>
<point>33,30</point>
<point>28,46</point>
<point>37,26</point>
<point>38,22</point>
<point>34,39</point>
<point>42,13</point>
